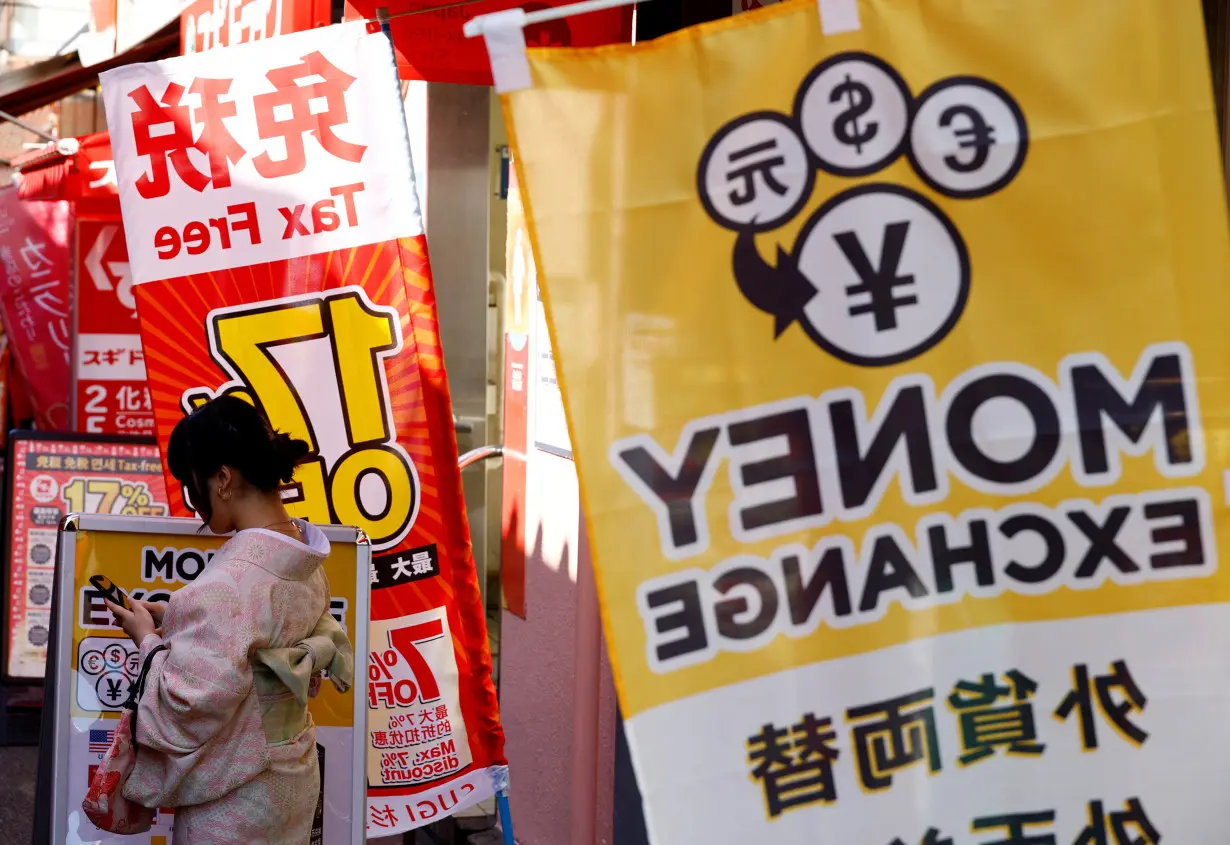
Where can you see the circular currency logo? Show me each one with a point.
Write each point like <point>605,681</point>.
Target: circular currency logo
<point>854,110</point>
<point>890,272</point>
<point>968,138</point>
<point>755,173</point>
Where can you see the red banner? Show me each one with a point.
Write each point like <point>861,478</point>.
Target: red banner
<point>431,46</point>
<point>111,392</point>
<point>521,281</point>
<point>207,24</point>
<point>339,345</point>
<point>35,301</point>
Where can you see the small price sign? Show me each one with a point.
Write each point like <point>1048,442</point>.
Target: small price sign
<point>316,365</point>
<point>110,495</point>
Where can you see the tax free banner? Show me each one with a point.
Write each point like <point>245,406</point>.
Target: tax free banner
<point>897,376</point>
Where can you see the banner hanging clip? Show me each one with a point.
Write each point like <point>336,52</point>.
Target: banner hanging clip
<point>504,33</point>
<point>839,16</point>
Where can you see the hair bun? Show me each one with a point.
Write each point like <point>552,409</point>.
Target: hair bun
<point>288,453</point>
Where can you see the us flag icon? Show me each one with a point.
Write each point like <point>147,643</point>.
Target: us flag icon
<point>100,741</point>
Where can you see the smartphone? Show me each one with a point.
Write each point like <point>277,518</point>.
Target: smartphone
<point>107,587</point>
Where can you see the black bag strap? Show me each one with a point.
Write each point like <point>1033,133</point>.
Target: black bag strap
<point>138,689</point>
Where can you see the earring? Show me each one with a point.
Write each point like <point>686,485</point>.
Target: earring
<point>225,495</point>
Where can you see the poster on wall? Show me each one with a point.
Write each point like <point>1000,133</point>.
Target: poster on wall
<point>50,476</point>
<point>36,301</point>
<point>932,499</point>
<point>313,298</point>
<point>149,559</point>
<point>111,396</point>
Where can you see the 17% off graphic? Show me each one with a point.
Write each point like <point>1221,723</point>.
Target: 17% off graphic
<point>111,496</point>
<point>400,676</point>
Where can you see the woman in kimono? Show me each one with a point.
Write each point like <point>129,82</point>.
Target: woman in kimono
<point>223,732</point>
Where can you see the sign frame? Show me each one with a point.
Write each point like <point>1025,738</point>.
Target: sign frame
<point>6,524</point>
<point>60,662</point>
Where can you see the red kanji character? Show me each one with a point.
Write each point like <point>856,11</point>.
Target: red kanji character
<point>412,736</point>
<point>386,817</point>
<point>425,717</point>
<point>216,141</point>
<point>301,120</point>
<point>91,357</point>
<point>396,739</point>
<point>445,727</point>
<point>380,739</point>
<point>135,356</point>
<point>429,732</point>
<point>441,711</point>
<point>172,145</point>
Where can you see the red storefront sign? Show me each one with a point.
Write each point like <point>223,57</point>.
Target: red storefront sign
<point>207,24</point>
<point>109,364</point>
<point>55,173</point>
<point>35,301</point>
<point>432,47</point>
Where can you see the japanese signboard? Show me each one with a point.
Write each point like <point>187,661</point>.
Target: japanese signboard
<point>109,363</point>
<point>207,24</point>
<point>50,476</point>
<point>35,300</point>
<point>265,152</point>
<point>341,348</point>
<point>899,415</point>
<point>96,664</point>
<point>431,45</point>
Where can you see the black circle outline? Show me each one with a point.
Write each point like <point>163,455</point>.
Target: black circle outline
<point>1013,106</point>
<point>388,488</point>
<point>785,120</point>
<point>893,75</point>
<point>962,256</point>
<point>86,656</point>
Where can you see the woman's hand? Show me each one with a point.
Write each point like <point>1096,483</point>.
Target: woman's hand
<point>157,609</point>
<point>137,623</point>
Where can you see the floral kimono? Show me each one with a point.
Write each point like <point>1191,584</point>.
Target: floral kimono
<point>223,731</point>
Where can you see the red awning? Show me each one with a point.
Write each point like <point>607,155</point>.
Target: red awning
<point>71,169</point>
<point>41,84</point>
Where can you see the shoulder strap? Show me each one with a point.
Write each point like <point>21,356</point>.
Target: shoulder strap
<point>138,689</point>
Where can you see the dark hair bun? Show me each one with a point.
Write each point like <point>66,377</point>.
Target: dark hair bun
<point>230,431</point>
<point>287,453</point>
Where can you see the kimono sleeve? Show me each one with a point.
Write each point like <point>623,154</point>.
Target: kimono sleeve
<point>198,727</point>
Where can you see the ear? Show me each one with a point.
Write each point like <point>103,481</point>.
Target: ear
<point>224,482</point>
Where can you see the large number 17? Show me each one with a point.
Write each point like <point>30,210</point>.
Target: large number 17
<point>359,474</point>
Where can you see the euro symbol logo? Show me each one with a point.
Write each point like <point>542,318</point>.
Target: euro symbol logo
<point>978,135</point>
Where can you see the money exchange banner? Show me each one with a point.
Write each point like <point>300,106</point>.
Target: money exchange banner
<point>337,340</point>
<point>898,380</point>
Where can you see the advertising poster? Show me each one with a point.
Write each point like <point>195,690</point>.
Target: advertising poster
<point>922,496</point>
<point>36,301</point>
<point>335,336</point>
<point>519,284</point>
<point>51,476</point>
<point>109,363</point>
<point>105,663</point>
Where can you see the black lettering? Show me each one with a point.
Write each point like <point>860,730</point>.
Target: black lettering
<point>1187,532</point>
<point>1102,544</point>
<point>830,574</point>
<point>945,557</point>
<point>689,618</point>
<point>798,464</point>
<point>158,564</point>
<point>904,422</point>
<point>190,565</point>
<point>675,492</point>
<point>727,609</point>
<point>961,429</point>
<point>889,569</point>
<point>1051,536</point>
<point>1097,400</point>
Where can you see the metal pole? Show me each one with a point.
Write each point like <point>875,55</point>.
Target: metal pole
<point>21,123</point>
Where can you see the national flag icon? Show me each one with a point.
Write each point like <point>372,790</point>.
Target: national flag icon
<point>100,741</point>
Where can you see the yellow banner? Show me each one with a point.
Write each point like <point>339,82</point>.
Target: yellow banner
<point>896,372</point>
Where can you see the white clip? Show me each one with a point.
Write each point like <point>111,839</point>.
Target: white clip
<point>838,16</point>
<point>504,33</point>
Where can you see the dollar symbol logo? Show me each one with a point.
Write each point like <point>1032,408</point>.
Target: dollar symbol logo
<point>858,99</point>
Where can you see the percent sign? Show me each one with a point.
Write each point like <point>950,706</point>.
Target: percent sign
<point>382,665</point>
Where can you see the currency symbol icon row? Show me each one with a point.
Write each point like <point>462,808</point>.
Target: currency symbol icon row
<point>853,116</point>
